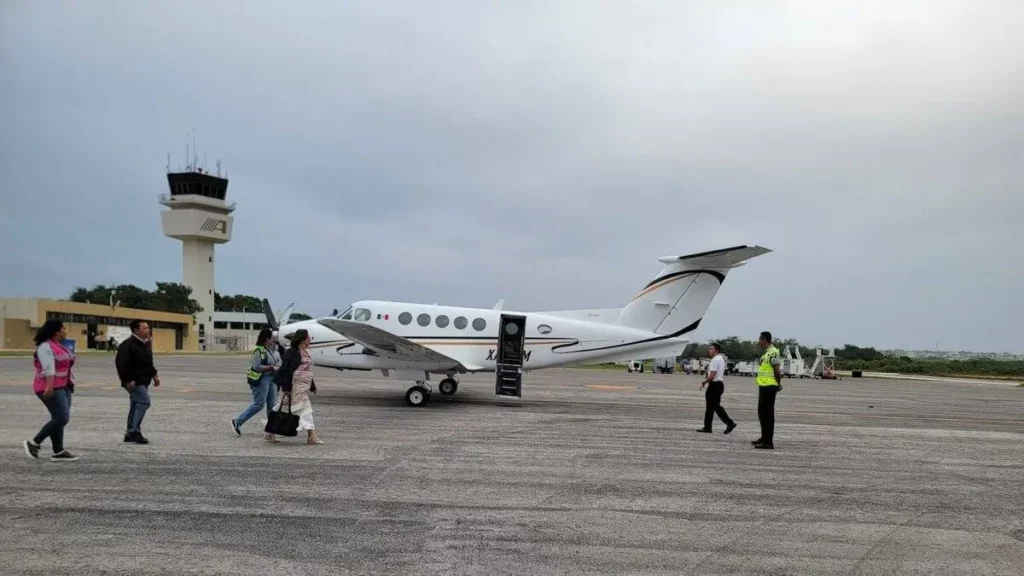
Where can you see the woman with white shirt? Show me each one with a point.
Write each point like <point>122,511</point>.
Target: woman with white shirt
<point>53,384</point>
<point>264,363</point>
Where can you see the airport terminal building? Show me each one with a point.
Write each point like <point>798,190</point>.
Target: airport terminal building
<point>91,325</point>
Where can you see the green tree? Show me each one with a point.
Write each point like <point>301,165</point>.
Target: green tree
<point>174,297</point>
<point>236,303</point>
<point>168,297</point>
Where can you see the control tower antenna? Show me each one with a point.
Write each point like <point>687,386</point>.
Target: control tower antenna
<point>200,217</point>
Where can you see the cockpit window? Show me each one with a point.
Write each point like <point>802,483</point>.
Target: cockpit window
<point>347,314</point>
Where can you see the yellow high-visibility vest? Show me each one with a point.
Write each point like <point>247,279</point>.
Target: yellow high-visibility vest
<point>253,375</point>
<point>766,373</point>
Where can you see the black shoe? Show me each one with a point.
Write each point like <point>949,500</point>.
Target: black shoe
<point>31,449</point>
<point>763,446</point>
<point>235,428</point>
<point>138,438</point>
<point>128,437</point>
<point>704,430</point>
<point>729,428</point>
<point>64,456</point>
<point>755,442</point>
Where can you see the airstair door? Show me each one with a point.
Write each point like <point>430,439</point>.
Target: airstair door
<point>510,357</point>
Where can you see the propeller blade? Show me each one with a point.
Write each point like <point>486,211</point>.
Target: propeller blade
<point>287,314</point>
<point>270,314</point>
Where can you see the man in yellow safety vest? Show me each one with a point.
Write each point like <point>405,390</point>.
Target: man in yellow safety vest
<point>769,383</point>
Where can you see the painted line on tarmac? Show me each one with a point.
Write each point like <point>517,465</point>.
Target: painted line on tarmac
<point>608,387</point>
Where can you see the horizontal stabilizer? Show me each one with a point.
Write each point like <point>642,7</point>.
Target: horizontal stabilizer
<point>716,259</point>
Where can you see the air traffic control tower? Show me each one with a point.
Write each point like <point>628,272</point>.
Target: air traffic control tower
<point>201,218</point>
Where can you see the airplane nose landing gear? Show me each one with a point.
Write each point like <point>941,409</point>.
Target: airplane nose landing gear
<point>418,395</point>
<point>448,386</point>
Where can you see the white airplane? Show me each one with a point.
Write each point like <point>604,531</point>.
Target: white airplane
<point>413,341</point>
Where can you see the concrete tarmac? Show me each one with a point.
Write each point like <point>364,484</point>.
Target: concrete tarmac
<point>594,471</point>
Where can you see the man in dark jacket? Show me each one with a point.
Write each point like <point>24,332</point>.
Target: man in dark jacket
<point>136,371</point>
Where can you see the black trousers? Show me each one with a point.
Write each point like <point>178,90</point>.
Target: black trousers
<point>766,411</point>
<point>713,404</point>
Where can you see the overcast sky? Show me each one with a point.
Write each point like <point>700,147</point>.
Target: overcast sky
<point>544,152</point>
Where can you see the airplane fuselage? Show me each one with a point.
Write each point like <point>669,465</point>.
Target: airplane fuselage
<point>471,335</point>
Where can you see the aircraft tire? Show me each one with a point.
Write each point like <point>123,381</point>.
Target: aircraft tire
<point>417,396</point>
<point>448,386</point>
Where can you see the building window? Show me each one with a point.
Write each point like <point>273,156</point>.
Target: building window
<point>234,326</point>
<point>479,324</point>
<point>461,322</point>
<point>220,325</point>
<point>110,320</point>
<point>404,318</point>
<point>423,320</point>
<point>441,321</point>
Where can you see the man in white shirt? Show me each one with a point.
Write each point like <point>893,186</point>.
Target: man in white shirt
<point>715,382</point>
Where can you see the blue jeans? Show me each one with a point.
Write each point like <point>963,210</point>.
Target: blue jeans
<point>59,406</point>
<point>264,393</point>
<point>139,403</point>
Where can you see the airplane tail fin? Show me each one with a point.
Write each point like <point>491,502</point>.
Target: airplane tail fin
<point>676,300</point>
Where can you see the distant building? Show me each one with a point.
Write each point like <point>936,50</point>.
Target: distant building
<point>91,326</point>
<point>236,331</point>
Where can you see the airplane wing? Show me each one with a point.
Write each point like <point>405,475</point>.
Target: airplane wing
<point>387,344</point>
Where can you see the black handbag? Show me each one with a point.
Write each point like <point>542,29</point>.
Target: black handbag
<point>283,423</point>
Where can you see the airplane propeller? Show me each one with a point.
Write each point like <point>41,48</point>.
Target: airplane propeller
<point>270,314</point>
<point>272,321</point>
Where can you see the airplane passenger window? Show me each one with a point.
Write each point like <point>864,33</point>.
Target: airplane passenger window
<point>362,315</point>
<point>461,323</point>
<point>479,324</point>
<point>544,329</point>
<point>423,320</point>
<point>441,321</point>
<point>405,318</point>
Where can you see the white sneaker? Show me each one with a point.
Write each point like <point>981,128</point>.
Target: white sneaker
<point>64,456</point>
<point>31,449</point>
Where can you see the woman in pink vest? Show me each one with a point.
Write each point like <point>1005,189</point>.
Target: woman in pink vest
<point>53,385</point>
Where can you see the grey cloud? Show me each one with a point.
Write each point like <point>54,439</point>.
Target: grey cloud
<point>542,152</point>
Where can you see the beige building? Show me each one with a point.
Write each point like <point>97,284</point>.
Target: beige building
<point>91,325</point>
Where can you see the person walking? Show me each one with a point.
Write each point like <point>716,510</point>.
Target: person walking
<point>715,382</point>
<point>264,362</point>
<point>53,384</point>
<point>135,369</point>
<point>769,384</point>
<point>295,379</point>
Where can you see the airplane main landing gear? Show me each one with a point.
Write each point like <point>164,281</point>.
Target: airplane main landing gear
<point>418,395</point>
<point>448,386</point>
